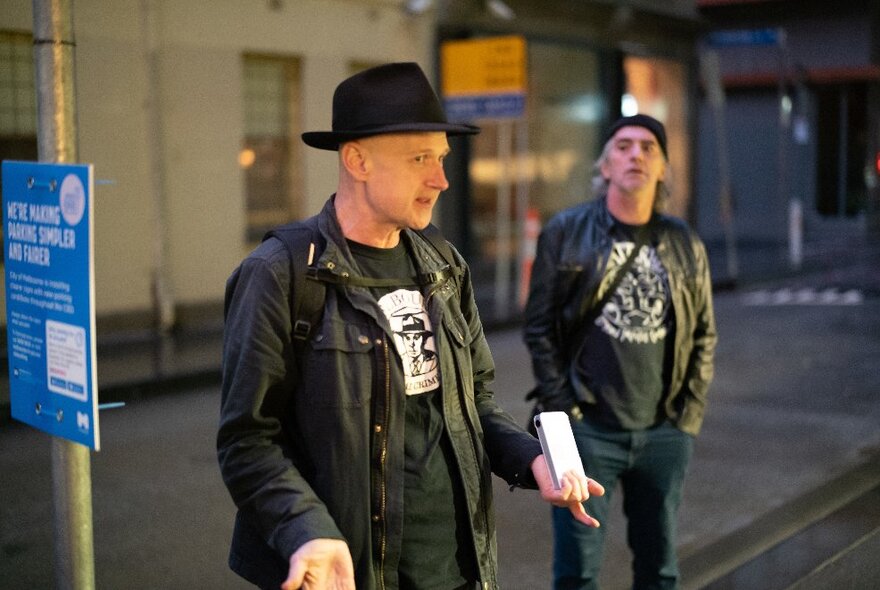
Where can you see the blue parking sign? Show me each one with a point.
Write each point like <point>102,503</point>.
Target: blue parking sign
<point>50,315</point>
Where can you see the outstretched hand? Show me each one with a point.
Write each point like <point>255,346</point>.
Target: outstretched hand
<point>321,564</point>
<point>575,490</point>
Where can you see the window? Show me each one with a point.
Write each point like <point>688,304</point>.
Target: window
<point>18,102</point>
<point>271,148</point>
<point>551,154</point>
<point>658,87</point>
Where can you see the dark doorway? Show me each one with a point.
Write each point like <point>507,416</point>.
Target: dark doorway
<point>843,138</point>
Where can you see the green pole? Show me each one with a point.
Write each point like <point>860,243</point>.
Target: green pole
<point>57,143</point>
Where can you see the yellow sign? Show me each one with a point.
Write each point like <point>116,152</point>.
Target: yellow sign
<point>493,65</point>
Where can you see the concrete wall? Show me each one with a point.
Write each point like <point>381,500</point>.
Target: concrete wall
<point>160,116</point>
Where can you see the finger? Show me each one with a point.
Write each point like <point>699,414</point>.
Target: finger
<point>579,484</point>
<point>295,576</point>
<point>317,579</point>
<point>580,514</point>
<point>594,488</point>
<point>583,486</point>
<point>566,488</point>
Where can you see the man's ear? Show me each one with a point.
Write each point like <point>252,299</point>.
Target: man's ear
<point>354,157</point>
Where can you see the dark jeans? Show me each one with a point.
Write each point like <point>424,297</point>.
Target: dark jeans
<point>650,465</point>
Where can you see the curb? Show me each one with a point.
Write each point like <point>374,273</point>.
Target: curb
<point>702,566</point>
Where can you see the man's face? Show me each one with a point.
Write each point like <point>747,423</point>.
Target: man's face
<point>413,342</point>
<point>404,177</point>
<point>635,162</point>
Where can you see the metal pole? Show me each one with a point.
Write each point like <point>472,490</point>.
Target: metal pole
<point>711,72</point>
<point>163,300</point>
<point>522,202</point>
<point>785,108</point>
<point>57,142</point>
<point>502,222</point>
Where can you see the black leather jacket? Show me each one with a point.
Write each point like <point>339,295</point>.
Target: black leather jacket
<point>572,253</point>
<point>313,448</point>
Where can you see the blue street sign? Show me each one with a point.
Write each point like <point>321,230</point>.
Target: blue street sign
<point>50,316</point>
<point>744,37</point>
<point>487,106</point>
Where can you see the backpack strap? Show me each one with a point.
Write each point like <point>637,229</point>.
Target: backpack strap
<point>308,287</point>
<point>304,244</point>
<point>432,235</point>
<point>435,237</point>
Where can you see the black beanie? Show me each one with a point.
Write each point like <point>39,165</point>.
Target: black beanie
<point>649,123</point>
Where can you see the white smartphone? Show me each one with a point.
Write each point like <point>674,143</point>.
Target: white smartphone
<point>557,442</point>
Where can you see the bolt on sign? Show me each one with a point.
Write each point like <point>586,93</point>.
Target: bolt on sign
<point>484,78</point>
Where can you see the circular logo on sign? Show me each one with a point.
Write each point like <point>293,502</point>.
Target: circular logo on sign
<point>72,199</point>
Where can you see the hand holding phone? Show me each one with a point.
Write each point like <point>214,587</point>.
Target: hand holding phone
<point>557,442</point>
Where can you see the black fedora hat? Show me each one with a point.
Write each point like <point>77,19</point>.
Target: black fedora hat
<point>391,98</point>
<point>414,325</point>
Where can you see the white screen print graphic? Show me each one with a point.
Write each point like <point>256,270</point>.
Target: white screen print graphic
<point>414,339</point>
<point>637,311</point>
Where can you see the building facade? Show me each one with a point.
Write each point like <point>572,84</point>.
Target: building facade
<point>790,124</point>
<point>191,114</point>
<point>586,64</point>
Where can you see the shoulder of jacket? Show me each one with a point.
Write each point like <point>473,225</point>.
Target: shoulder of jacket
<point>270,254</point>
<point>574,215</point>
<point>678,226</point>
<point>433,244</point>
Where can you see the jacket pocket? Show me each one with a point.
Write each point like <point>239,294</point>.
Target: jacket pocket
<point>457,328</point>
<point>338,371</point>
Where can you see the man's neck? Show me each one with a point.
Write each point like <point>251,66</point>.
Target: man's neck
<point>356,226</point>
<point>632,209</point>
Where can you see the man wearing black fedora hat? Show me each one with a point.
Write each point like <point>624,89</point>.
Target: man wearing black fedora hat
<point>620,327</point>
<point>349,468</point>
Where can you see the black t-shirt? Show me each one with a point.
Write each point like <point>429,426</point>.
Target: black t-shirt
<point>437,549</point>
<point>627,351</point>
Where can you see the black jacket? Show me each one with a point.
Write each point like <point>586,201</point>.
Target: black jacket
<point>313,447</point>
<point>572,254</point>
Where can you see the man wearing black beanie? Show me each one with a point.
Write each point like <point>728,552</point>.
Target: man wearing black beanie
<point>621,330</point>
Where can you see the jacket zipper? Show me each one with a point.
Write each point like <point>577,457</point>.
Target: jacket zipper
<point>382,463</point>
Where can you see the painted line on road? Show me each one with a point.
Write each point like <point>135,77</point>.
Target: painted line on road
<point>805,296</point>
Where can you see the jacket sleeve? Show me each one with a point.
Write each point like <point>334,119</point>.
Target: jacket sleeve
<point>700,365</point>
<point>510,448</point>
<point>541,323</point>
<point>258,379</point>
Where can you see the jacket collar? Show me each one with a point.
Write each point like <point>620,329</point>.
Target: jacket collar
<point>606,220</point>
<point>338,258</point>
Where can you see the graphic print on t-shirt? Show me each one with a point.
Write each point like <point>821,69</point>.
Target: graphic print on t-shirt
<point>637,310</point>
<point>414,339</point>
